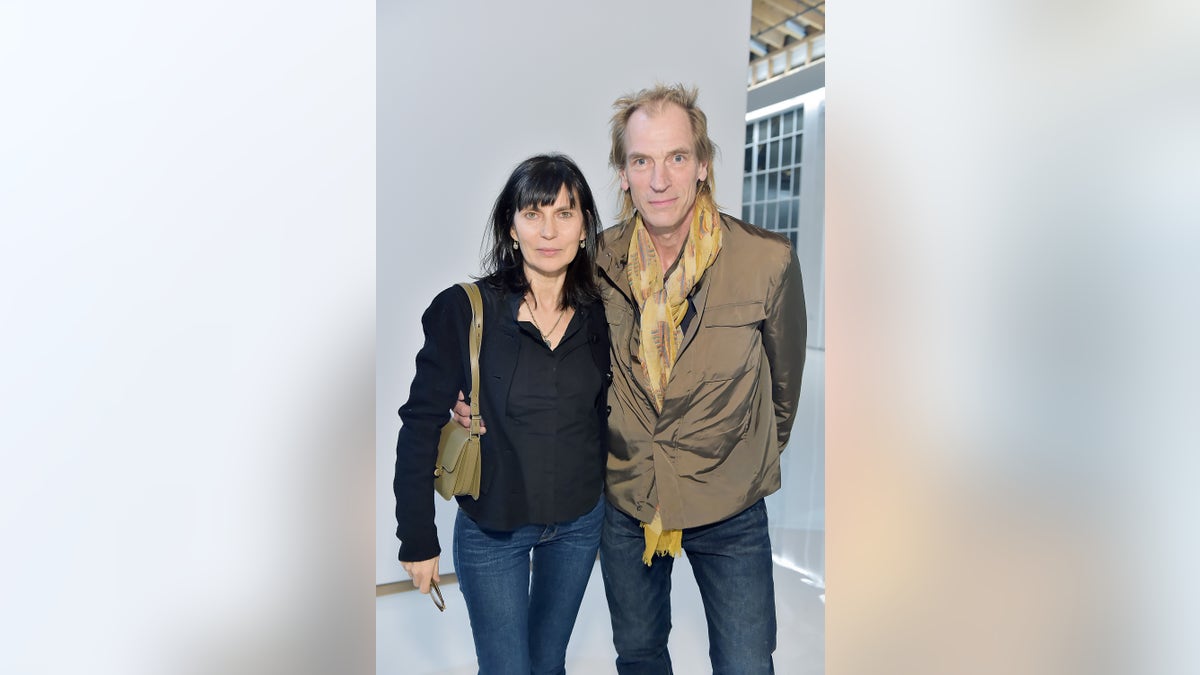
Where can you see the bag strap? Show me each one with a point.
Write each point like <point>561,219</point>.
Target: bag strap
<point>476,340</point>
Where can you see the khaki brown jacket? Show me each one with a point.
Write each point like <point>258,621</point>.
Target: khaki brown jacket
<point>731,400</point>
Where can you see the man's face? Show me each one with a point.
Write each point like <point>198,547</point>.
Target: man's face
<point>661,169</point>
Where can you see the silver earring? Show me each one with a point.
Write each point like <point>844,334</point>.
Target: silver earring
<point>516,246</point>
<point>582,243</point>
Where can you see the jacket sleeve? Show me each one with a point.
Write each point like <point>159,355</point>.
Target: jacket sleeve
<point>785,335</point>
<point>440,374</point>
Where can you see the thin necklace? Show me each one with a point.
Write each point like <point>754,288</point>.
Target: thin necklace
<point>545,336</point>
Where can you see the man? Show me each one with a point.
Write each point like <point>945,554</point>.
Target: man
<point>708,329</point>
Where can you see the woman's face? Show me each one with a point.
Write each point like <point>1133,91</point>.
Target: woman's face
<point>549,235</point>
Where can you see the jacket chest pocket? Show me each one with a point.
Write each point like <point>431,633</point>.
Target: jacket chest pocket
<point>730,340</point>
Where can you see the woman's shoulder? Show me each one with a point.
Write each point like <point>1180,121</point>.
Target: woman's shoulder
<point>592,304</point>
<point>454,299</point>
<point>487,288</point>
<point>593,311</point>
<point>493,293</point>
<point>450,296</point>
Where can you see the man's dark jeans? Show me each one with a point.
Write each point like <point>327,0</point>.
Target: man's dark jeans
<point>732,563</point>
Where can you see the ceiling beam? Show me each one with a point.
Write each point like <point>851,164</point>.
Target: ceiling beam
<point>768,15</point>
<point>792,28</point>
<point>774,38</point>
<point>773,22</point>
<point>808,13</point>
<point>768,12</point>
<point>787,10</point>
<point>811,13</point>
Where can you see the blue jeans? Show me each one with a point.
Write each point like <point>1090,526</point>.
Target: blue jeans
<point>522,626</point>
<point>731,560</point>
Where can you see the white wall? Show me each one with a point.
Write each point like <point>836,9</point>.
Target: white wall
<point>465,92</point>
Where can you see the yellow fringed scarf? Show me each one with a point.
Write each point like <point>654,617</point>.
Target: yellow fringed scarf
<point>663,304</point>
<point>669,542</point>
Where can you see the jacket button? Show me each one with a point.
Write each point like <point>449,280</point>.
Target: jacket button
<point>608,410</point>
<point>608,377</point>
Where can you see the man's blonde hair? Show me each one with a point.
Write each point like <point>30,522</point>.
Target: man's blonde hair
<point>653,100</point>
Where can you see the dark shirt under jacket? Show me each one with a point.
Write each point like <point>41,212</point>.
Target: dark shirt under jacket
<point>546,444</point>
<point>550,413</point>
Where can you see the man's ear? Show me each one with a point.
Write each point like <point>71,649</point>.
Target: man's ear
<point>624,180</point>
<point>703,171</point>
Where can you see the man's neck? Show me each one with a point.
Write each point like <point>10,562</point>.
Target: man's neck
<point>668,242</point>
<point>668,245</point>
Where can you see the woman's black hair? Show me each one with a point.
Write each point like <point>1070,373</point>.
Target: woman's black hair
<point>537,182</point>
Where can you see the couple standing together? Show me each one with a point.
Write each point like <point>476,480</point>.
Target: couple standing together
<point>638,386</point>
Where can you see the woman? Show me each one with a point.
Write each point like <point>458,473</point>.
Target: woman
<point>543,377</point>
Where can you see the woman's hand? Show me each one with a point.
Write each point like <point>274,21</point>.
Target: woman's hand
<point>422,572</point>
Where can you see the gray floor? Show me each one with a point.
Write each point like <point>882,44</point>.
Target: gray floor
<point>413,638</point>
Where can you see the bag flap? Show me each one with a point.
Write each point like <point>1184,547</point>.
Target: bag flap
<point>453,441</point>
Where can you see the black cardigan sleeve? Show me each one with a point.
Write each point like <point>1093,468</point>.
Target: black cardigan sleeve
<point>442,371</point>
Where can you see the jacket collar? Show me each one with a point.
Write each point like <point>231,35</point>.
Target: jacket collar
<point>614,253</point>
